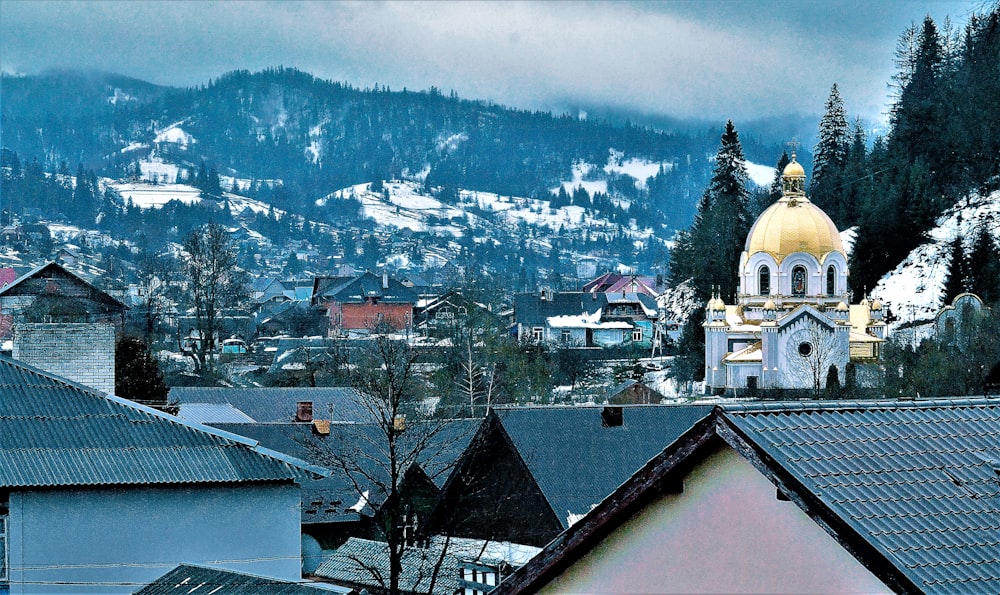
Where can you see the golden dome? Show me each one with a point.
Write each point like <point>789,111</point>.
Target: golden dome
<point>770,305</point>
<point>793,224</point>
<point>876,305</point>
<point>842,307</point>
<point>718,305</point>
<point>794,168</point>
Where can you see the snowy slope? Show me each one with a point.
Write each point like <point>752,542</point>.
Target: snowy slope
<point>410,206</point>
<point>914,289</point>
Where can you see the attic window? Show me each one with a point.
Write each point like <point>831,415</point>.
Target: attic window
<point>612,417</point>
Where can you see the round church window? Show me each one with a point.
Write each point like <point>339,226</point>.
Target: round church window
<point>805,349</point>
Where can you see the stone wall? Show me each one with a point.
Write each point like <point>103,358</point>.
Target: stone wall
<point>81,352</point>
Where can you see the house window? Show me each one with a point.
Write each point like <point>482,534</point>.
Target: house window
<point>536,333</point>
<point>799,281</point>
<point>637,334</point>
<point>566,336</point>
<point>764,280</point>
<point>831,280</point>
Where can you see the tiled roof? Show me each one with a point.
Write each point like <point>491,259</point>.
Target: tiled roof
<point>577,462</point>
<point>916,480</point>
<point>187,579</point>
<point>275,405</point>
<point>56,433</point>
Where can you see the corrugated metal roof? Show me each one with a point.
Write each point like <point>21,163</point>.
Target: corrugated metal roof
<point>277,405</point>
<point>186,579</point>
<point>207,413</point>
<point>917,480</point>
<point>577,462</point>
<point>362,561</point>
<point>57,433</point>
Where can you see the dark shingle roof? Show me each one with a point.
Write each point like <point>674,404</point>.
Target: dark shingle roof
<point>918,480</point>
<point>56,433</point>
<point>360,288</point>
<point>530,308</point>
<point>276,405</point>
<point>187,579</point>
<point>577,462</point>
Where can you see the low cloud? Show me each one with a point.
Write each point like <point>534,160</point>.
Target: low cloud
<point>712,60</point>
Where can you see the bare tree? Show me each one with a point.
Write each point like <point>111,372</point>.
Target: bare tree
<point>215,283</point>
<point>812,351</point>
<point>402,446</point>
<point>152,271</point>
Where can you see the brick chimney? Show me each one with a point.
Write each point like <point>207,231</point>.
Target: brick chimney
<point>304,411</point>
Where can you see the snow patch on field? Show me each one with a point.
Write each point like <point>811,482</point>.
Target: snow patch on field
<point>405,204</point>
<point>761,175</point>
<point>156,195</point>
<point>176,135</point>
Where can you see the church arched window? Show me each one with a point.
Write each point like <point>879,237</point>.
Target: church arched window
<point>831,280</point>
<point>764,280</point>
<point>799,281</point>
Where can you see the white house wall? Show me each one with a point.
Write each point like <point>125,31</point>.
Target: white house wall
<point>726,533</point>
<point>110,540</point>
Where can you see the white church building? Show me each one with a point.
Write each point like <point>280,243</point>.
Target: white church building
<point>791,321</point>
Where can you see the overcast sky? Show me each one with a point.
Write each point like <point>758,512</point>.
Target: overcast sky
<point>706,59</point>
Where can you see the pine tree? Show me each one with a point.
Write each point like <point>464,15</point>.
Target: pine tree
<point>709,251</point>
<point>984,266</point>
<point>957,275</point>
<point>830,158</point>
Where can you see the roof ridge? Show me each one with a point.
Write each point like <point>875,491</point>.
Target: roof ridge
<point>742,408</point>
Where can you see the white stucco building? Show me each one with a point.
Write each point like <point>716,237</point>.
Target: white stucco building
<point>791,321</point>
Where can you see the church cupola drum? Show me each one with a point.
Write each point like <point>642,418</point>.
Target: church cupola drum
<point>791,321</point>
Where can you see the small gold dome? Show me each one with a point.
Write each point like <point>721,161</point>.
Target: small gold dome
<point>794,169</point>
<point>842,307</point>
<point>718,305</point>
<point>876,305</point>
<point>770,305</point>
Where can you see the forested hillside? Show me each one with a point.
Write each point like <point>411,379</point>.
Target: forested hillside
<point>941,148</point>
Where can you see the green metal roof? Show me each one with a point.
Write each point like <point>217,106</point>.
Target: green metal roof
<point>57,433</point>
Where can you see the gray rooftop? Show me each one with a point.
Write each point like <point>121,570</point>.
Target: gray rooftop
<point>916,480</point>
<point>271,405</point>
<point>57,433</point>
<point>187,579</point>
<point>577,461</point>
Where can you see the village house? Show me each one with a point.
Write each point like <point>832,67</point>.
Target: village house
<point>98,494</point>
<point>357,305</point>
<point>585,319</point>
<point>809,497</point>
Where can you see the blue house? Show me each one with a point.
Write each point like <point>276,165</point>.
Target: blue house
<point>100,495</point>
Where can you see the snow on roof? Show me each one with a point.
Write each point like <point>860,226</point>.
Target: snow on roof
<point>749,354</point>
<point>591,321</point>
